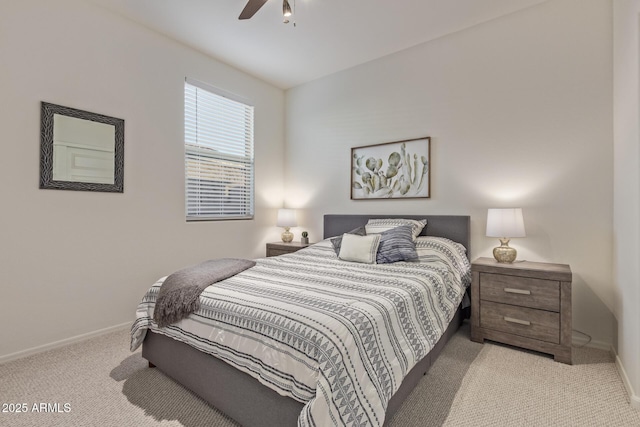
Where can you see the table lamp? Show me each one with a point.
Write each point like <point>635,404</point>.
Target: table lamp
<point>505,224</point>
<point>286,219</point>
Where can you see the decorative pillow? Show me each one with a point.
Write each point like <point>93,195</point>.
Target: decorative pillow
<point>337,241</point>
<point>397,245</point>
<point>376,226</point>
<point>453,254</point>
<point>359,248</point>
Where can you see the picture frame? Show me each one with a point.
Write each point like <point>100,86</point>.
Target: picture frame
<point>392,170</point>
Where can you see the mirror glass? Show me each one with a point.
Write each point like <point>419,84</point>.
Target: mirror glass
<point>81,150</point>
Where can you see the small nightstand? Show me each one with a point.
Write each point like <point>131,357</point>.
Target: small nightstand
<point>525,304</point>
<point>281,248</point>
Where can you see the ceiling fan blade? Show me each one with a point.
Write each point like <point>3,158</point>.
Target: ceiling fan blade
<point>251,8</point>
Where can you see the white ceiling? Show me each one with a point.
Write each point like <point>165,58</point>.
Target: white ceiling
<point>330,35</point>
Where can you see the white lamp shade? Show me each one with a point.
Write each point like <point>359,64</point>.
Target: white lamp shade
<point>287,218</point>
<point>505,223</point>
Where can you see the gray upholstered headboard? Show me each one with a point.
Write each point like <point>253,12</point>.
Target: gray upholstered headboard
<point>454,227</point>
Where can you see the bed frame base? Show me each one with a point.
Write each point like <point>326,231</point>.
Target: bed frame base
<point>244,398</point>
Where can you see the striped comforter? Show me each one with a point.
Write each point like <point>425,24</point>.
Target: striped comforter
<point>336,335</point>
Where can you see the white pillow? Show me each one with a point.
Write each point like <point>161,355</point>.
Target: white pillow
<point>359,248</point>
<point>377,226</point>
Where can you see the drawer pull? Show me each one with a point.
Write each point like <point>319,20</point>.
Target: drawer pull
<point>518,321</point>
<point>517,291</point>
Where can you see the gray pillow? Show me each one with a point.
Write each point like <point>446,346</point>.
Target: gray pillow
<point>337,241</point>
<point>397,245</point>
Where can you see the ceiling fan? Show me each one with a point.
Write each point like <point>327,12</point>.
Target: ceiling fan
<point>253,6</point>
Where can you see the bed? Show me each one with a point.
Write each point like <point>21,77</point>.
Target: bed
<point>244,386</point>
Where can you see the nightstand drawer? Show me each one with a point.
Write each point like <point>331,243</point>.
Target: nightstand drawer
<point>537,324</point>
<point>281,248</point>
<point>276,252</point>
<point>522,291</point>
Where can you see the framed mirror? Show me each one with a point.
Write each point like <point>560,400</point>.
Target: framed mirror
<point>80,150</point>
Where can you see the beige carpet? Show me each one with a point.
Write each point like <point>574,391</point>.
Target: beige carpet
<point>470,384</point>
<point>509,387</point>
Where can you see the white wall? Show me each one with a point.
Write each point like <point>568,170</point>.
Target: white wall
<point>520,114</point>
<point>626,201</point>
<point>76,262</point>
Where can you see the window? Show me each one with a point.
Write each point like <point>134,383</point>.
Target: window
<point>218,140</point>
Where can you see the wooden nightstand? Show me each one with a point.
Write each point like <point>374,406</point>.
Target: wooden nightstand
<point>281,248</point>
<point>525,304</point>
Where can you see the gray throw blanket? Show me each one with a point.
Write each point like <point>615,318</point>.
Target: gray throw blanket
<point>179,294</point>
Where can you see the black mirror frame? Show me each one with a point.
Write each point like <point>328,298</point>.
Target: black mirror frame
<point>46,150</point>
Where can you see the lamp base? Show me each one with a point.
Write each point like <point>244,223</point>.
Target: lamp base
<point>505,253</point>
<point>287,236</point>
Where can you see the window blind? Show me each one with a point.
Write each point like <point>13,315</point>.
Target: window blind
<point>219,164</point>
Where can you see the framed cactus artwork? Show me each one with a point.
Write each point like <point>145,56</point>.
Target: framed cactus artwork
<point>393,170</point>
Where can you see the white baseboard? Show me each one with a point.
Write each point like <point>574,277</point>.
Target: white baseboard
<point>57,344</point>
<point>600,345</point>
<point>634,399</point>
<point>580,339</point>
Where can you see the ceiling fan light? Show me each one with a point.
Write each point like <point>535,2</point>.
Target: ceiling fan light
<point>286,9</point>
